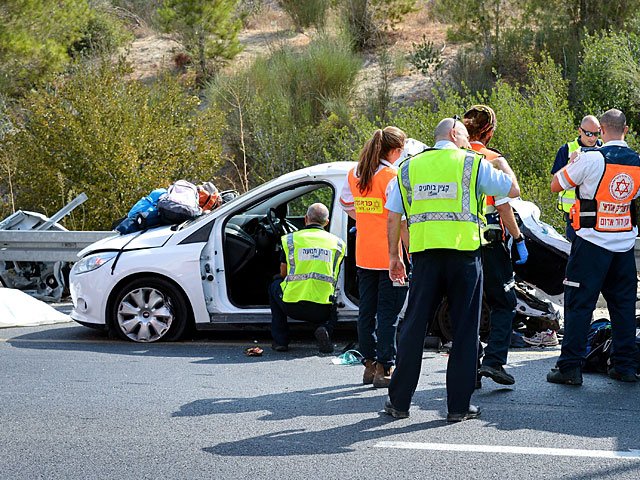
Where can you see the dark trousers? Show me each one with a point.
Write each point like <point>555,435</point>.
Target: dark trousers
<point>380,304</point>
<point>437,273</point>
<point>320,314</point>
<point>500,294</point>
<point>569,232</point>
<point>590,270</point>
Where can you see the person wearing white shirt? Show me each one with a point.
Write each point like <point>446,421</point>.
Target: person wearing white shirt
<point>602,256</point>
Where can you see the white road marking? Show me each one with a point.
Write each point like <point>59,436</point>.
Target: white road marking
<point>562,452</point>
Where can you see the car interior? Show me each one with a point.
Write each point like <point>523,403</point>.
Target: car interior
<point>252,241</point>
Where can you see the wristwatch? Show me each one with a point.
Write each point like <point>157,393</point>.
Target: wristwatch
<point>519,239</point>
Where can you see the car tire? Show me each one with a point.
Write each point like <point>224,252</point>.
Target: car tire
<point>149,309</point>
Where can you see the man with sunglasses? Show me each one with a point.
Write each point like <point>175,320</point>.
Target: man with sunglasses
<point>607,180</point>
<point>589,130</point>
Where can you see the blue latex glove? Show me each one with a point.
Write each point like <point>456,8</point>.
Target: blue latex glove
<point>523,253</point>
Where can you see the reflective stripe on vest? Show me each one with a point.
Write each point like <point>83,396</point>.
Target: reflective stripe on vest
<point>610,210</point>
<point>438,189</point>
<point>313,258</point>
<point>567,198</point>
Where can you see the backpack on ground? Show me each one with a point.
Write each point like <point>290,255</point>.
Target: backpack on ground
<point>598,346</point>
<point>180,203</point>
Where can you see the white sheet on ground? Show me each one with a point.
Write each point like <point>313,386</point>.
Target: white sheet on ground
<point>17,309</point>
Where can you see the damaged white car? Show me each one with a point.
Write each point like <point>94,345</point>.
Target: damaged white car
<point>158,284</point>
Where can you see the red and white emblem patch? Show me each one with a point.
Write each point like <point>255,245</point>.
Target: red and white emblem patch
<point>621,186</point>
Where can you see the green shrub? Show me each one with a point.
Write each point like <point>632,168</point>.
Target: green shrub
<point>103,33</point>
<point>607,79</point>
<point>425,57</point>
<point>274,108</point>
<point>306,13</point>
<point>113,138</point>
<point>35,36</point>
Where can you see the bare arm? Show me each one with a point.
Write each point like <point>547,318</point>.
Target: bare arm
<point>397,271</point>
<point>351,213</point>
<point>283,270</point>
<point>509,219</point>
<point>404,234</point>
<point>555,184</point>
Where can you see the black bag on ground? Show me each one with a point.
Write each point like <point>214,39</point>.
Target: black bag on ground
<point>598,346</point>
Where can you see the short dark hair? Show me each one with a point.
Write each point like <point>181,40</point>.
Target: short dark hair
<point>613,120</point>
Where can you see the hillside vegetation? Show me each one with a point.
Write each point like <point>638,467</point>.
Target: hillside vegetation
<point>118,97</point>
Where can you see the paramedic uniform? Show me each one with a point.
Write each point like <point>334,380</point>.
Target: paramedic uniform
<point>602,256</point>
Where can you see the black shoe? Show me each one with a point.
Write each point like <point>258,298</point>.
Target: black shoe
<point>324,341</point>
<point>498,375</point>
<point>623,377</point>
<point>473,412</point>
<point>279,348</point>
<point>572,376</point>
<point>389,409</point>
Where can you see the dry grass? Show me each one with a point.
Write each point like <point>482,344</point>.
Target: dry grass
<point>270,28</point>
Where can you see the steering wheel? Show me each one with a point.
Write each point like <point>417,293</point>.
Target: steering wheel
<point>274,222</point>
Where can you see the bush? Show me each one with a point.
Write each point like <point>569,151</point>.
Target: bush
<point>112,138</point>
<point>425,57</point>
<point>274,108</point>
<point>305,13</point>
<point>607,80</point>
<point>103,33</point>
<point>35,36</point>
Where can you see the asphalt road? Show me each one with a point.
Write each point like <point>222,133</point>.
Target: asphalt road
<point>75,404</point>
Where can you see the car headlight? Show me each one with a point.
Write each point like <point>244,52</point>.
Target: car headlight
<point>91,262</point>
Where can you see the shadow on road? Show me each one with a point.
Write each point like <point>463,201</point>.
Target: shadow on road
<point>212,347</point>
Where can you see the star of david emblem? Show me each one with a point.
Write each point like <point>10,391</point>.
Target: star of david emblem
<point>621,186</point>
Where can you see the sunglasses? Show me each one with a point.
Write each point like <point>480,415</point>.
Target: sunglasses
<point>587,133</point>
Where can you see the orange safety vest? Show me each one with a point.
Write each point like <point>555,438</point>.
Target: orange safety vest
<point>372,251</point>
<point>610,209</point>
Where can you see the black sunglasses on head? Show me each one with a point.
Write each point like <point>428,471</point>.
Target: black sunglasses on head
<point>587,133</point>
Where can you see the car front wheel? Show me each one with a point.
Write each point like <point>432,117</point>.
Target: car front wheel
<point>148,310</point>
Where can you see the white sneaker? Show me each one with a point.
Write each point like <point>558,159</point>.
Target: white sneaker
<point>547,338</point>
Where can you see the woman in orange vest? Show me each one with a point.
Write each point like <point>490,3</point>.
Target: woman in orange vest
<point>363,197</point>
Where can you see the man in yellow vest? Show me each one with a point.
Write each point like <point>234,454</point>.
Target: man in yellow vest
<point>439,191</point>
<point>309,268</point>
<point>588,130</point>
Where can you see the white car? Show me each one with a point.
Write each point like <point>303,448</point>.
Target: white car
<point>216,269</point>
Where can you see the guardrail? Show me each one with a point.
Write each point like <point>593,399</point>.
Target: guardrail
<point>46,245</point>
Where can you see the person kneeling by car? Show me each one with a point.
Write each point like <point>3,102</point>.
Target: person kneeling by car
<point>309,269</point>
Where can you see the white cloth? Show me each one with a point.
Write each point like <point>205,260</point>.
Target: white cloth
<point>586,170</point>
<point>17,309</point>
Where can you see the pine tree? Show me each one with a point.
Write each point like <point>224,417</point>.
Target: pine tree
<point>35,36</point>
<point>208,30</point>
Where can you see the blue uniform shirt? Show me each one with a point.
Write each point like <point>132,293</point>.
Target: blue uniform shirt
<point>491,181</point>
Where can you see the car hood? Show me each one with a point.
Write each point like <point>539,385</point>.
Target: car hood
<point>154,238</point>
